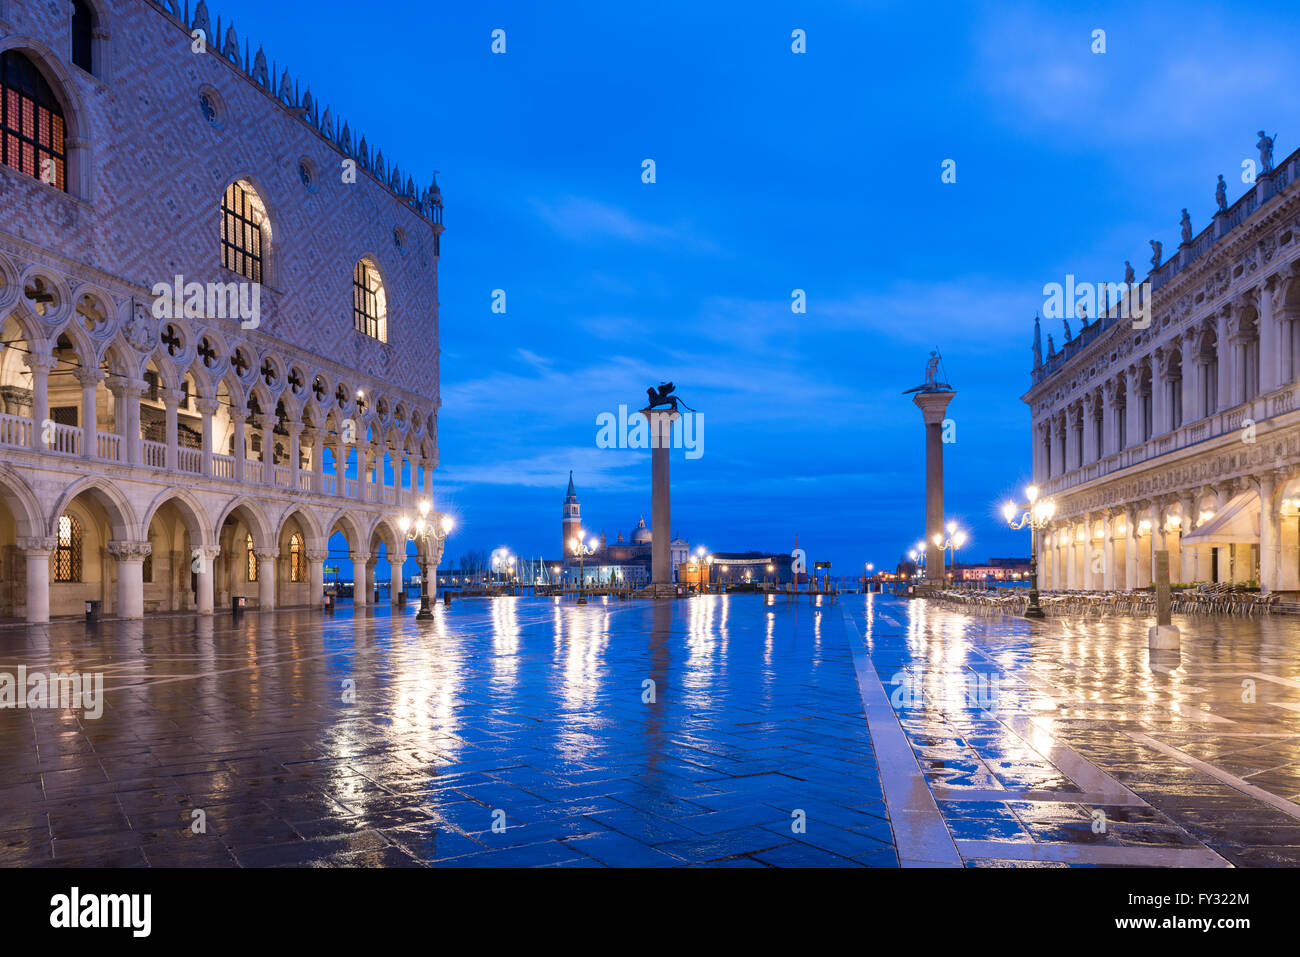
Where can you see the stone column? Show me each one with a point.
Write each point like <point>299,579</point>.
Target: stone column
<point>661,440</point>
<point>316,575</point>
<point>266,423</point>
<point>266,577</point>
<point>90,380</point>
<point>295,453</point>
<point>1187,553</point>
<point>1191,401</point>
<point>1133,407</point>
<point>1130,548</point>
<point>1268,532</point>
<point>204,597</point>
<point>316,444</point>
<point>130,576</point>
<point>1159,395</point>
<point>363,470</point>
<point>172,400</point>
<point>933,406</point>
<point>1227,360</point>
<point>40,366</point>
<point>1108,552</point>
<point>1110,422</point>
<point>1271,355</point>
<point>1071,439</point>
<point>237,420</point>
<point>207,408</point>
<point>360,566</point>
<point>37,552</point>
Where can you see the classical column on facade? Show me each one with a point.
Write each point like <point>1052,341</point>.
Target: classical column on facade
<point>266,422</point>
<point>238,417</point>
<point>360,570</point>
<point>1186,525</point>
<point>1133,405</point>
<point>313,439</point>
<point>37,552</point>
<point>204,596</point>
<point>130,558</point>
<point>1159,394</point>
<point>1072,427</point>
<point>267,571</point>
<point>1111,412</point>
<point>39,366</point>
<point>339,450</point>
<point>396,560</point>
<point>1284,321</point>
<point>1269,529</point>
<point>1108,524</point>
<point>1060,429</point>
<point>1131,513</point>
<point>207,408</point>
<point>128,393</point>
<point>364,458</point>
<point>172,399</point>
<point>1226,360</point>
<point>90,380</point>
<point>1191,401</point>
<point>1271,357</point>
<point>316,575</point>
<point>295,430</point>
<point>1043,452</point>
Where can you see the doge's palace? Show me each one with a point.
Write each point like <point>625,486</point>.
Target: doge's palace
<point>220,320</point>
<point>1180,430</point>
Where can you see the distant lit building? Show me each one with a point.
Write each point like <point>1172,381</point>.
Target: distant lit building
<point>624,563</point>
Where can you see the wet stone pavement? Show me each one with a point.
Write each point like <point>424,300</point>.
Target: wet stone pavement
<point>1068,743</point>
<point>508,732</point>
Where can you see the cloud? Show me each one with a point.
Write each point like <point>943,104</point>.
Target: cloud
<point>584,220</point>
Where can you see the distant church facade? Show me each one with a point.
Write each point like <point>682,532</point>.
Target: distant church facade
<point>622,562</point>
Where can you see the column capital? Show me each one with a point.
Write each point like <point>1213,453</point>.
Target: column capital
<point>34,546</point>
<point>209,552</point>
<point>206,406</point>
<point>357,556</point>
<point>90,377</point>
<point>39,362</point>
<point>171,397</point>
<point>130,551</point>
<point>320,557</point>
<point>294,428</point>
<point>266,554</point>
<point>128,388</point>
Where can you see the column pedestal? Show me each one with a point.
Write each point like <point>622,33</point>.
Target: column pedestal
<point>38,552</point>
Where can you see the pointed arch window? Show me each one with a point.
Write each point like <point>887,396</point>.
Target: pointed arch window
<point>369,301</point>
<point>250,559</point>
<point>67,553</point>
<point>32,127</point>
<point>83,36</point>
<point>243,228</point>
<point>295,559</point>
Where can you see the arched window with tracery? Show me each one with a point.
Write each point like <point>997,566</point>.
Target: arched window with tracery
<point>369,301</point>
<point>67,552</point>
<point>250,559</point>
<point>31,122</point>
<point>295,559</point>
<point>245,231</point>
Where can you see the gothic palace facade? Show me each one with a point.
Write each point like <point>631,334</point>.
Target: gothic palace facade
<point>170,456</point>
<point>1184,435</point>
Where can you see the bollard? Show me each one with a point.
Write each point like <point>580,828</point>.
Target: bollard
<point>1163,636</point>
<point>446,598</point>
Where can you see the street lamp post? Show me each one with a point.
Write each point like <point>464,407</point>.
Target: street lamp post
<point>582,550</point>
<point>431,535</point>
<point>1037,515</point>
<point>955,540</point>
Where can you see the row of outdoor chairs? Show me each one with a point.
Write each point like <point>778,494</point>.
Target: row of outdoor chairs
<point>1219,599</point>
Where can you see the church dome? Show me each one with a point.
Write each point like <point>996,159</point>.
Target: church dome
<point>641,535</point>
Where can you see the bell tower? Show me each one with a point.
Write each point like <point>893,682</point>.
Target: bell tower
<point>572,523</point>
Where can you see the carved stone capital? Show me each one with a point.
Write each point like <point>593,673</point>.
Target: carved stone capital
<point>35,546</point>
<point>130,551</point>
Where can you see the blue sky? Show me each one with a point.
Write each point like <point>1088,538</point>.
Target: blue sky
<point>777,171</point>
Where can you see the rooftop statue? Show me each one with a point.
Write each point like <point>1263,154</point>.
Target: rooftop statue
<point>1129,278</point>
<point>1157,248</point>
<point>1265,146</point>
<point>1186,224</point>
<point>1221,195</point>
